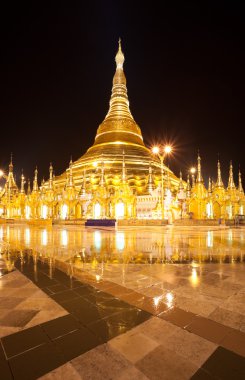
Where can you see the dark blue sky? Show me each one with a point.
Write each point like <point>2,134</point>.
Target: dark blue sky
<point>184,67</point>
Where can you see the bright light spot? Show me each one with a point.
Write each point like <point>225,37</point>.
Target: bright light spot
<point>27,236</point>
<point>64,237</point>
<point>210,239</point>
<point>193,170</point>
<point>194,277</point>
<point>97,210</point>
<point>120,243</point>
<point>170,298</point>
<point>155,150</point>
<point>44,212</point>
<point>1,173</point>
<point>64,211</point>
<point>167,149</point>
<point>120,210</point>
<point>27,212</point>
<point>1,210</point>
<point>97,239</point>
<point>95,164</point>
<point>44,237</point>
<point>156,300</point>
<point>98,277</point>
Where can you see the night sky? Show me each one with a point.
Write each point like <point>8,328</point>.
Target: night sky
<point>185,77</point>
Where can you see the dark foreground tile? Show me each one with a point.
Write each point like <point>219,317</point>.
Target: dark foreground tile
<point>235,341</point>
<point>5,372</point>
<point>76,343</point>
<point>202,375</point>
<point>224,364</point>
<point>66,295</point>
<point>178,317</point>
<point>208,329</point>
<point>19,342</point>
<point>57,288</point>
<point>35,363</point>
<point>117,324</point>
<point>60,326</point>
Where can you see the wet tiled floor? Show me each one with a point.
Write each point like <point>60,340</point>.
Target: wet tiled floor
<point>120,309</point>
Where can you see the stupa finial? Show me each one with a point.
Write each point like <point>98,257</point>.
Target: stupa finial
<point>119,56</point>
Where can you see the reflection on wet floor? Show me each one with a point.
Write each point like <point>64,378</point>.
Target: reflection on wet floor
<point>128,245</point>
<point>146,294</point>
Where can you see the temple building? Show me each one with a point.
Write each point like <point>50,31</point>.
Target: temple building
<point>119,177</point>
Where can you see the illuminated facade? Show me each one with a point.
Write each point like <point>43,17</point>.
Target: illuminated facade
<point>119,177</point>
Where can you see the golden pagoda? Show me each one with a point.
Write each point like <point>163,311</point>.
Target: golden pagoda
<point>119,177</point>
<point>118,139</point>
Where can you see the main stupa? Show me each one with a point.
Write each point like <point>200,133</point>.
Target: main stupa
<point>118,143</point>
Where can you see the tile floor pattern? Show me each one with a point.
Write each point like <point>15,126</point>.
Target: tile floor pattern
<point>100,336</point>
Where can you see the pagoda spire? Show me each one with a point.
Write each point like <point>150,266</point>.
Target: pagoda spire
<point>231,183</point>
<point>240,188</point>
<point>70,179</point>
<point>11,167</point>
<point>119,104</point>
<point>199,170</point>
<point>51,176</point>
<point>22,186</point>
<point>219,182</point>
<point>35,181</point>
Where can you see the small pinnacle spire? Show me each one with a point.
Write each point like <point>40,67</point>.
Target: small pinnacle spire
<point>231,183</point>
<point>240,188</point>
<point>210,186</point>
<point>11,163</point>
<point>22,186</point>
<point>35,181</point>
<point>181,186</point>
<point>150,185</point>
<point>29,187</point>
<point>219,182</point>
<point>83,188</point>
<point>70,178</point>
<point>199,169</point>
<point>50,176</point>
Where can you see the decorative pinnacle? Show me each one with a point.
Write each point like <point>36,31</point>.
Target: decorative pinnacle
<point>119,56</point>
<point>219,182</point>
<point>231,184</point>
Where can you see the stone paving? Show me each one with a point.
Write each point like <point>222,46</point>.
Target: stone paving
<point>128,312</point>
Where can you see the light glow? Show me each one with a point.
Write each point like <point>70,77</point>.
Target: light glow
<point>64,211</point>
<point>44,212</point>
<point>167,149</point>
<point>155,149</point>
<point>28,212</point>
<point>97,210</point>
<point>119,210</point>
